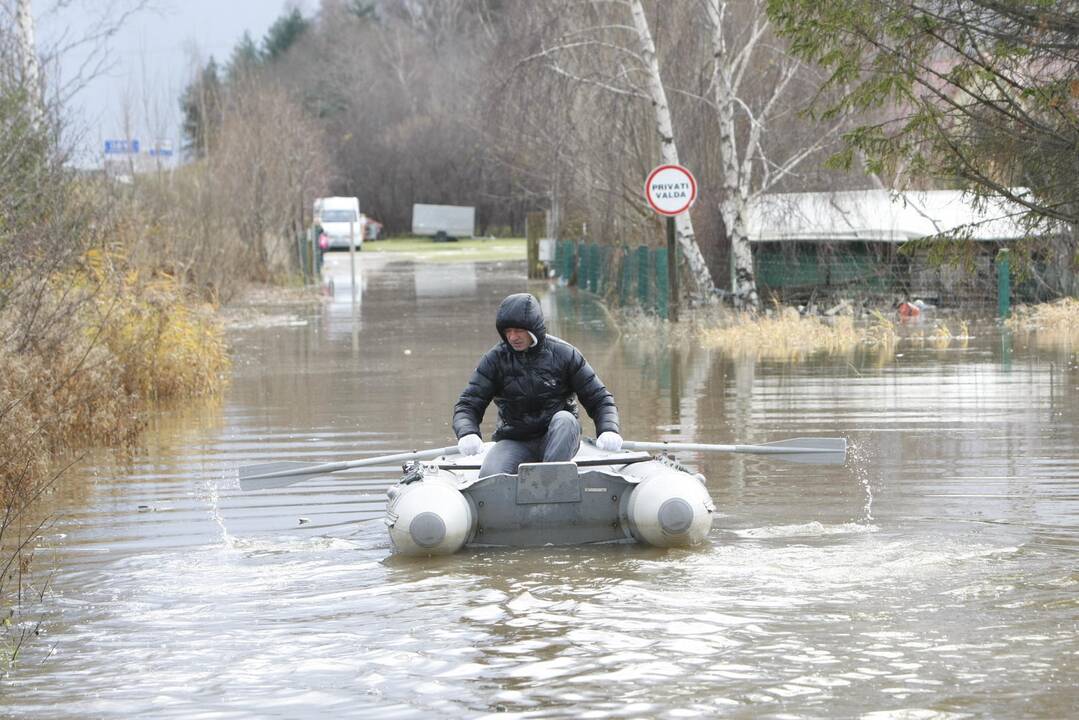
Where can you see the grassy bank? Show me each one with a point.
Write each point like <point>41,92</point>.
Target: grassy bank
<point>470,250</point>
<point>121,344</point>
<point>104,283</point>
<point>110,345</point>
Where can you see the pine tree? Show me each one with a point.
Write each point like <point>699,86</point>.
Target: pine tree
<point>201,104</point>
<point>245,59</point>
<point>283,34</point>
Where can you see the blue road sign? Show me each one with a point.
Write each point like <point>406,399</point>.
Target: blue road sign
<point>122,147</point>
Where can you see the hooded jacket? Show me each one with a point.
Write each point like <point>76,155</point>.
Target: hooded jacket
<point>530,386</point>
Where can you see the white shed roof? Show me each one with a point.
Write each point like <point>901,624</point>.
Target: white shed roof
<point>878,215</point>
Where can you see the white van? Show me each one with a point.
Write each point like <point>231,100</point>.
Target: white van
<point>338,216</point>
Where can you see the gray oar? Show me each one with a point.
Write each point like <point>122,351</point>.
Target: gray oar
<point>280,474</point>
<point>815,451</point>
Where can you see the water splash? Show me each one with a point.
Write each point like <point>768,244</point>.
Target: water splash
<point>861,461</point>
<point>210,488</point>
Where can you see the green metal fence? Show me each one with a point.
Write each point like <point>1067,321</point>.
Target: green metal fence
<point>308,256</point>
<point>626,277</point>
<point>798,272</point>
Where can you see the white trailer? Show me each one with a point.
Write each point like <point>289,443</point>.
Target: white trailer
<point>443,221</point>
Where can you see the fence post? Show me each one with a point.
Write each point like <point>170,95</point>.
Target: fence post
<point>603,273</point>
<point>597,267</point>
<point>626,279</point>
<point>593,267</point>
<point>575,263</point>
<point>310,261</point>
<point>643,277</point>
<point>584,263</point>
<point>586,250</point>
<point>1004,282</point>
<point>535,226</point>
<point>663,290</point>
<point>301,256</point>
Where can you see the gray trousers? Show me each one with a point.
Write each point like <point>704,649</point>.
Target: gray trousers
<point>561,443</point>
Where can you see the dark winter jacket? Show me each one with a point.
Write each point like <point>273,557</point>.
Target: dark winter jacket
<point>530,386</point>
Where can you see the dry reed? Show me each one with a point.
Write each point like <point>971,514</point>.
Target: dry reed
<point>126,344</point>
<point>781,334</point>
<point>784,335</point>
<point>1050,325</point>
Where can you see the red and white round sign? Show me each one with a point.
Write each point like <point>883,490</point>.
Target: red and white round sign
<point>670,189</point>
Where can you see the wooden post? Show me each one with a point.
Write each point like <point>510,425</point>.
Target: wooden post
<point>535,226</point>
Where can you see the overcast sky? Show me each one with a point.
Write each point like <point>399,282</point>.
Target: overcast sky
<point>149,59</point>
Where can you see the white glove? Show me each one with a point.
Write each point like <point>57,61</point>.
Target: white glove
<point>473,444</point>
<point>609,441</point>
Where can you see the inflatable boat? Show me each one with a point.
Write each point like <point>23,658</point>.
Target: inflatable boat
<point>441,506</point>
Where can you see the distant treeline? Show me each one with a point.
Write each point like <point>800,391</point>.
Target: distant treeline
<point>510,107</point>
<point>552,105</point>
<point>398,92</point>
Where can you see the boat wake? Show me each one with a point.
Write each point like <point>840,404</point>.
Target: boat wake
<point>259,547</point>
<point>810,529</point>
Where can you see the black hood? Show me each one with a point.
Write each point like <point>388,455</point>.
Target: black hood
<point>521,310</point>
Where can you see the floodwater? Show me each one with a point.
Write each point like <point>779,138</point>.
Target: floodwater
<point>932,576</point>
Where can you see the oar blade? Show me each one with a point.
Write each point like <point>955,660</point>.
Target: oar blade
<point>277,474</point>
<point>818,451</point>
<point>813,444</point>
<point>816,458</point>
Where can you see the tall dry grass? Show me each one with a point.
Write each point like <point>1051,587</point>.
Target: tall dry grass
<point>124,344</point>
<point>785,335</point>
<point>1051,325</point>
<point>171,342</point>
<point>781,334</point>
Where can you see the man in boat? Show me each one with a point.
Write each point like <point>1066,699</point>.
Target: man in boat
<point>532,378</point>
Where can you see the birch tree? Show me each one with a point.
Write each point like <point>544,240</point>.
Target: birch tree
<point>27,49</point>
<point>608,46</point>
<point>741,47</point>
<point>720,62</point>
<point>687,241</point>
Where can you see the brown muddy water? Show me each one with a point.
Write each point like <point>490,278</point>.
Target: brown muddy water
<point>933,576</point>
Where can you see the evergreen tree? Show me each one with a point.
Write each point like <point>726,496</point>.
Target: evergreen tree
<point>201,105</point>
<point>363,9</point>
<point>245,59</point>
<point>283,34</point>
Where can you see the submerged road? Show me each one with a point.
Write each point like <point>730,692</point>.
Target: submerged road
<point>933,576</point>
